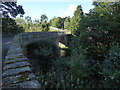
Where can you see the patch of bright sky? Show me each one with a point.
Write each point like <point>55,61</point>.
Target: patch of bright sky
<point>51,9</point>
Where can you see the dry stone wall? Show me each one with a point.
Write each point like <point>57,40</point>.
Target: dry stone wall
<point>17,72</point>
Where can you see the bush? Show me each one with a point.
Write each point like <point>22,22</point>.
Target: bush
<point>42,53</point>
<point>44,27</point>
<point>111,68</point>
<point>9,26</point>
<point>70,72</point>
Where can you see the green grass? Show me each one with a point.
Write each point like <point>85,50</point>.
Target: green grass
<point>53,31</point>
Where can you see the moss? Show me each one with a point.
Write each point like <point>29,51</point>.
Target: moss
<point>11,58</point>
<point>16,67</point>
<point>23,76</point>
<point>13,62</point>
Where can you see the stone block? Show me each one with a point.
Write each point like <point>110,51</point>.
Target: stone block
<point>8,81</point>
<point>30,84</point>
<point>17,64</point>
<point>14,55</point>
<point>16,60</point>
<point>17,71</point>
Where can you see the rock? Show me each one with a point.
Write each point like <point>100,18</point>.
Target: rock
<point>8,81</point>
<point>14,55</point>
<point>30,84</point>
<point>17,64</point>
<point>16,71</point>
<point>16,60</point>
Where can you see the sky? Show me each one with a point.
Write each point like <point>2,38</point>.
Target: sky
<point>51,9</point>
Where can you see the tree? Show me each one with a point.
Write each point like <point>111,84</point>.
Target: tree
<point>28,19</point>
<point>67,23</point>
<point>44,26</point>
<point>43,19</point>
<point>11,27</point>
<point>51,20</point>
<point>29,22</point>
<point>11,9</point>
<point>20,20</point>
<point>75,20</point>
<point>97,33</point>
<point>99,29</point>
<point>58,22</point>
<point>37,21</point>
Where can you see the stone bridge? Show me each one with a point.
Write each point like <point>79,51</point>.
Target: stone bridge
<point>17,72</point>
<point>26,38</point>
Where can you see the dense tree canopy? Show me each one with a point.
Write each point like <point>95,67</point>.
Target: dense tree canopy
<point>67,23</point>
<point>43,19</point>
<point>99,36</point>
<point>34,26</point>
<point>95,48</point>
<point>58,22</point>
<point>75,20</point>
<point>11,9</point>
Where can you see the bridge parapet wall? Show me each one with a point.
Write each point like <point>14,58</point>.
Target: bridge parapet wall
<point>17,72</point>
<point>29,37</point>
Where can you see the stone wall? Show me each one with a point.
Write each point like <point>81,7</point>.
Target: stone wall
<point>28,37</point>
<point>17,72</point>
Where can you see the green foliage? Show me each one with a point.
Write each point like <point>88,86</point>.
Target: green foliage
<point>69,72</point>
<point>44,27</point>
<point>97,33</point>
<point>28,19</point>
<point>75,20</point>
<point>43,53</point>
<point>67,23</point>
<point>20,21</point>
<point>43,19</point>
<point>95,51</point>
<point>111,68</point>
<point>94,62</point>
<point>11,9</point>
<point>34,26</point>
<point>58,22</point>
<point>9,26</point>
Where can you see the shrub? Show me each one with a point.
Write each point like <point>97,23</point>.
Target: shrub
<point>70,72</point>
<point>9,26</point>
<point>111,68</point>
<point>42,53</point>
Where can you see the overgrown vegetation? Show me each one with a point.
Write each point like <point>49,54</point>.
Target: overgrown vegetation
<point>42,54</point>
<point>34,26</point>
<point>13,25</point>
<point>9,26</point>
<point>94,61</point>
<point>9,12</point>
<point>97,34</point>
